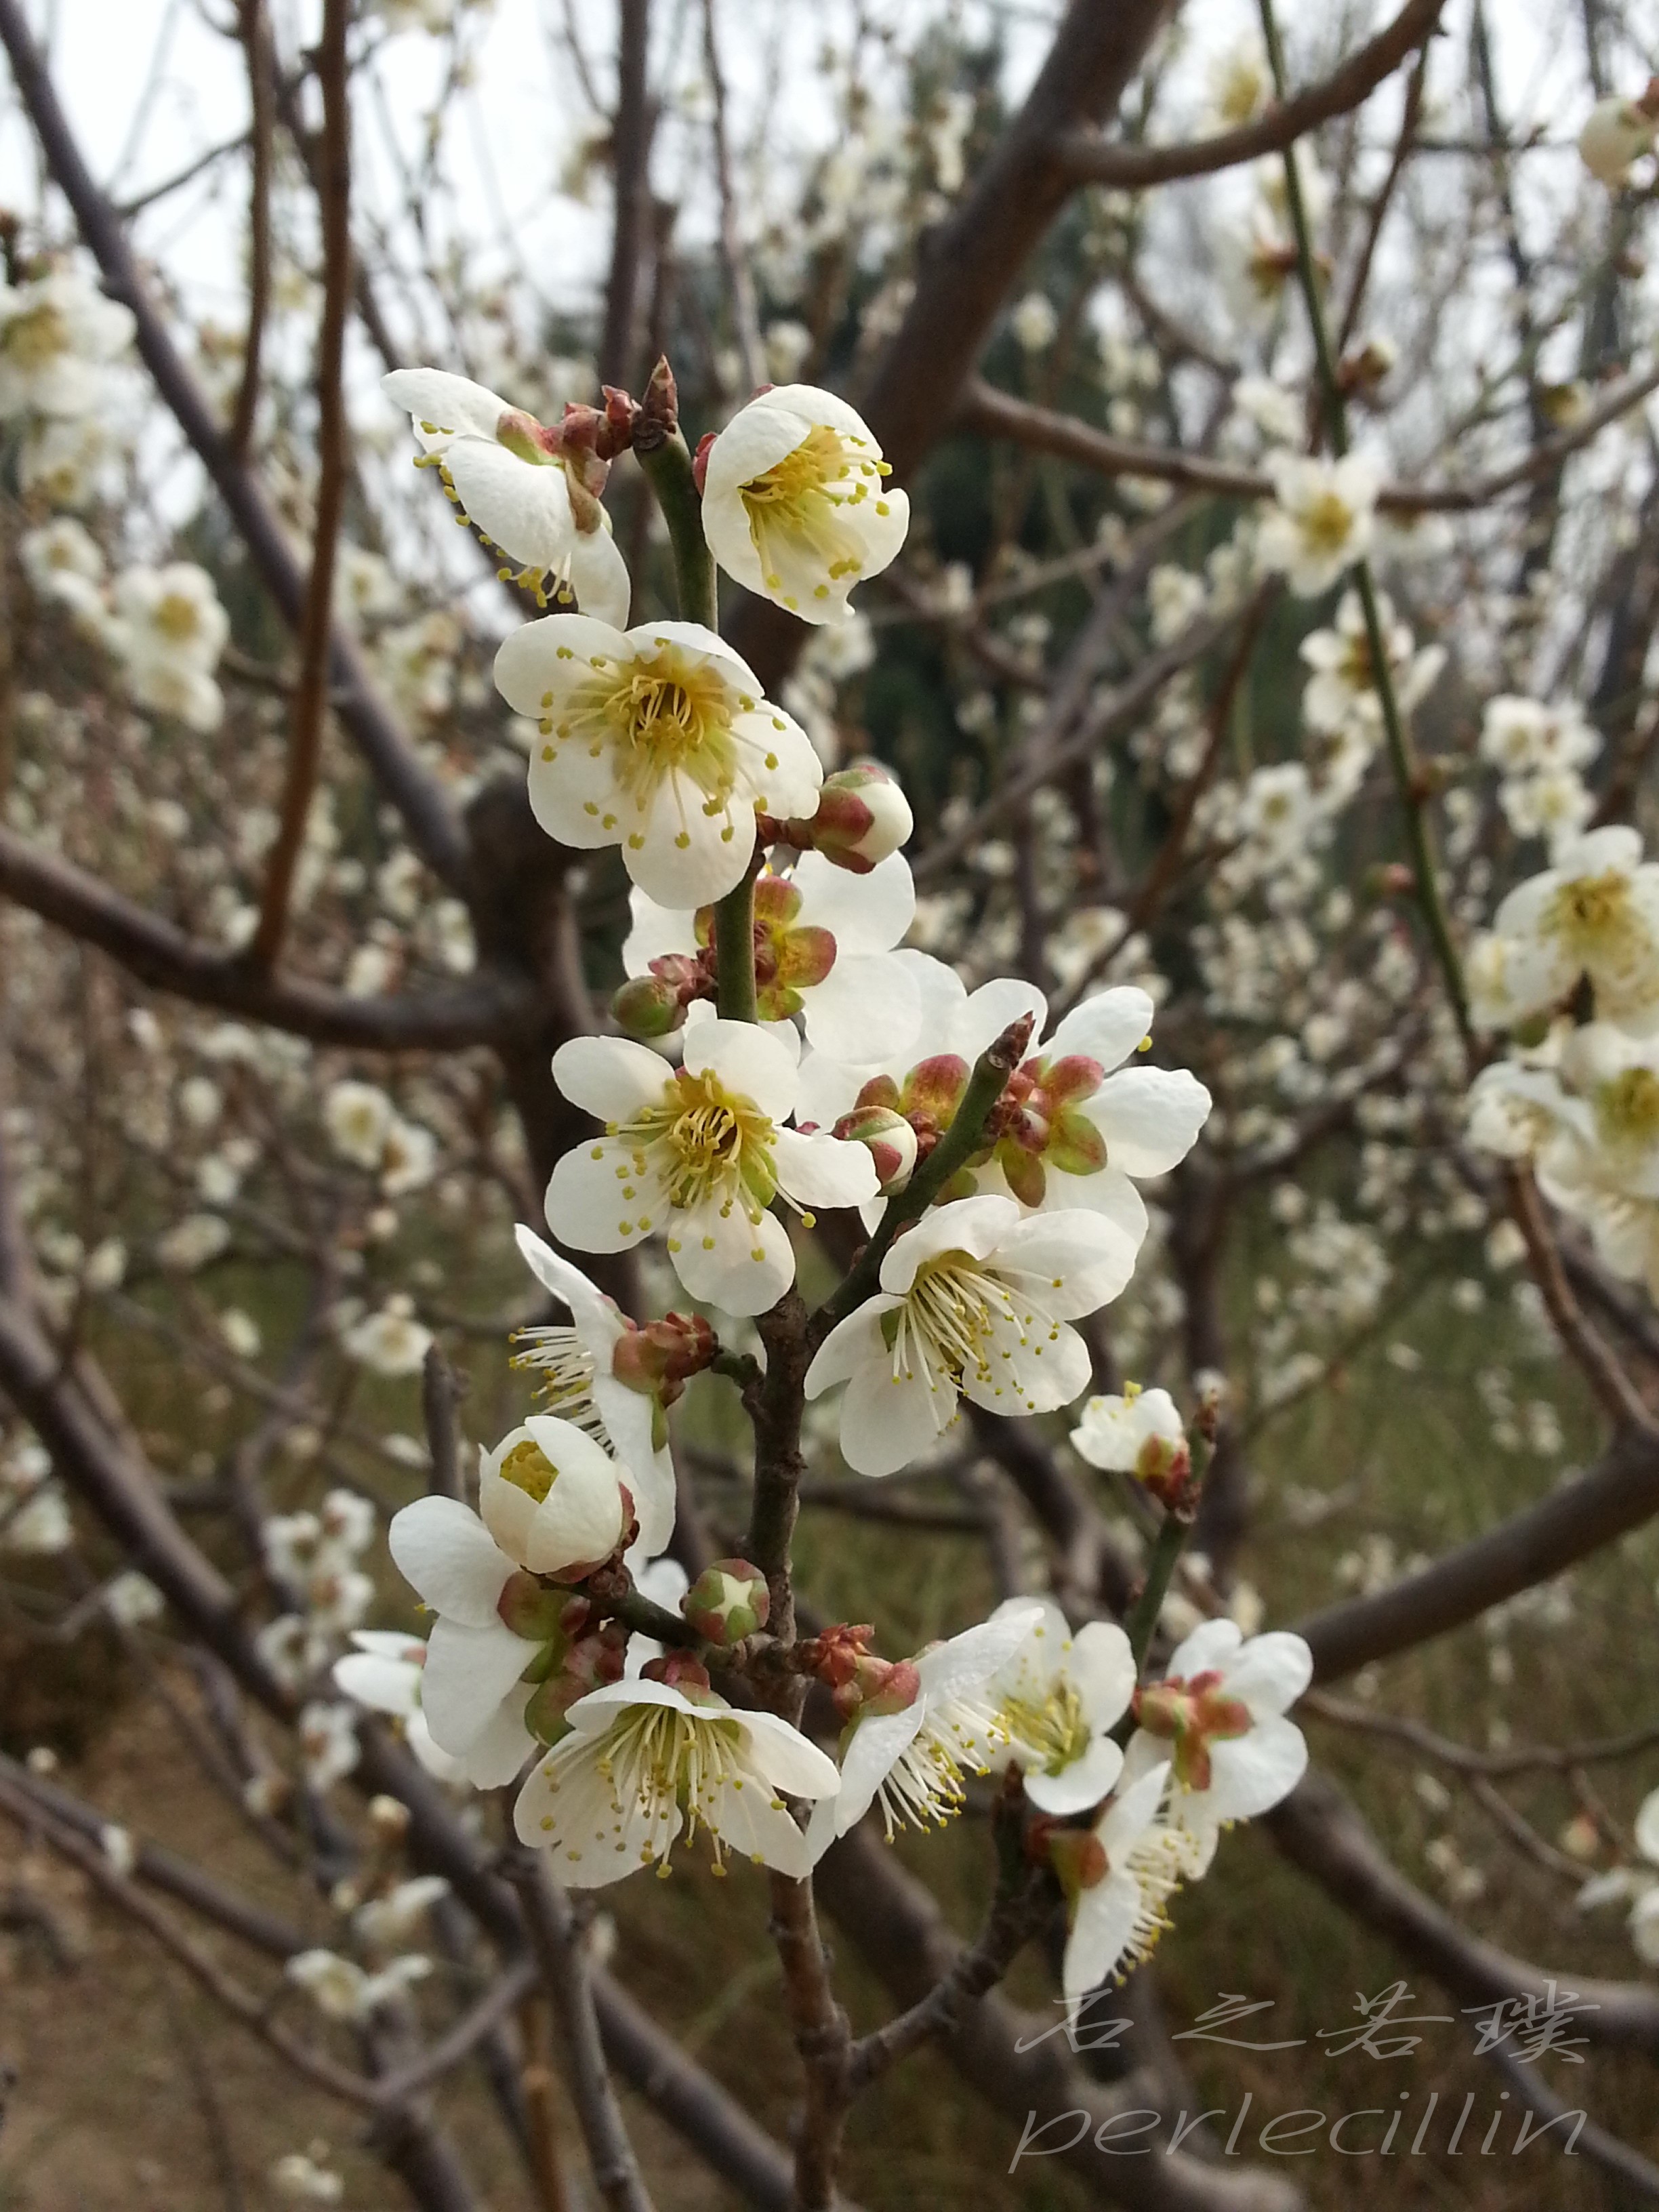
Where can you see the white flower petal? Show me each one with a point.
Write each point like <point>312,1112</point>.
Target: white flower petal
<point>455,1564</point>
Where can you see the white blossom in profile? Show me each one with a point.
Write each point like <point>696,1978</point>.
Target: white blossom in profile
<point>508,474</point>
<point>341,1990</point>
<point>647,1761</point>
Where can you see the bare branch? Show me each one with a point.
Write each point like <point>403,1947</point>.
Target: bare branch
<point>566,1977</point>
<point>1088,159</point>
<point>434,826</point>
<point>310,691</point>
<point>254,27</point>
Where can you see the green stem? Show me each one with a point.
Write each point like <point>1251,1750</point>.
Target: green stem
<point>734,954</point>
<point>668,472</point>
<point>1406,768</point>
<point>955,1148</point>
<point>1167,1548</point>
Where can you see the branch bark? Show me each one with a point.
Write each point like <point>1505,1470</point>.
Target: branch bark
<point>1088,159</point>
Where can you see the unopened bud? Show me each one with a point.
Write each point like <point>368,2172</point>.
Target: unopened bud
<point>1078,1858</point>
<point>728,1601</point>
<point>530,1609</point>
<point>1616,133</point>
<point>862,818</point>
<point>648,1006</point>
<point>659,416</point>
<point>879,1686</point>
<point>679,1670</point>
<point>660,1358</point>
<point>891,1141</point>
<point>1364,368</point>
<point>389,1817</point>
<point>588,1663</point>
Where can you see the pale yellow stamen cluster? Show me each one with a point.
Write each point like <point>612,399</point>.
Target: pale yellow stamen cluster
<point>655,1760</point>
<point>703,1144</point>
<point>954,1314</point>
<point>566,1367</point>
<point>924,1787</point>
<point>1056,1728</point>
<point>801,498</point>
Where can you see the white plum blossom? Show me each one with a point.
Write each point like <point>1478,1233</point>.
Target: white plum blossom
<point>169,629</point>
<point>1616,132</point>
<point>341,1990</point>
<point>386,1922</point>
<point>1523,736</point>
<point>390,1341</point>
<point>1075,1126</point>
<point>656,740</point>
<point>1138,1433</point>
<point>526,496</point>
<point>472,1689</point>
<point>646,1761</point>
<point>697,1154</point>
<point>577,1363</point>
<point>1216,1722</point>
<point>328,1742</point>
<point>908,1748</point>
<point>795,504</point>
<point>1594,913</point>
<point>1341,689</point>
<point>1640,1885</point>
<point>1322,519</point>
<point>1119,1876</point>
<point>63,562</point>
<point>358,1117</point>
<point>57,334</point>
<point>385,1672</point>
<point>975,1298</point>
<point>552,1498</point>
<point>1059,1697</point>
<point>823,942</point>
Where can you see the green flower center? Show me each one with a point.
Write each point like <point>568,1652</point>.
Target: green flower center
<point>36,338</point>
<point>1593,917</point>
<point>707,1142</point>
<point>1056,1728</point>
<point>1327,522</point>
<point>1627,1108</point>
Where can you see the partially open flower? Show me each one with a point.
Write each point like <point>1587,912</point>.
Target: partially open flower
<point>551,1499</point>
<point>1140,1434</point>
<point>1616,132</point>
<point>795,503</point>
<point>862,818</point>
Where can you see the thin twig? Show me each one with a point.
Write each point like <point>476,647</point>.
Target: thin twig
<point>254,29</point>
<point>311,692</point>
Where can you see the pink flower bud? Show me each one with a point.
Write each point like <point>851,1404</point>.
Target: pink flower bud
<point>1078,1858</point>
<point>862,818</point>
<point>728,1601</point>
<point>679,1670</point>
<point>648,1006</point>
<point>660,1358</point>
<point>892,1140</point>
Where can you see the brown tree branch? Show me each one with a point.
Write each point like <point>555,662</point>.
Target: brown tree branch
<point>566,1977</point>
<point>630,157</point>
<point>493,1007</point>
<point>433,825</point>
<point>254,30</point>
<point>1090,160</point>
<point>316,623</point>
<point>998,415</point>
<point>1620,1493</point>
